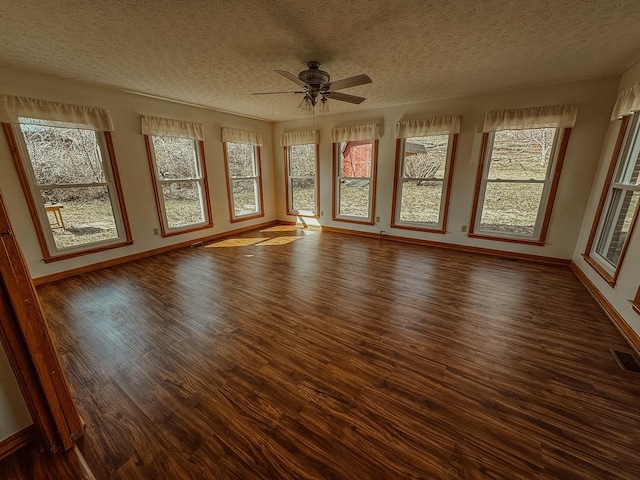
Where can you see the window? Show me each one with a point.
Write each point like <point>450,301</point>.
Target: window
<point>69,175</point>
<point>244,176</point>
<point>301,166</point>
<point>618,209</point>
<point>176,159</point>
<point>519,170</point>
<point>424,160</point>
<point>355,161</point>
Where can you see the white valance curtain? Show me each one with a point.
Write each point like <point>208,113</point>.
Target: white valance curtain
<point>168,127</point>
<point>236,135</point>
<point>355,132</point>
<point>43,112</point>
<point>428,126</point>
<point>300,138</point>
<point>553,116</point>
<point>628,102</point>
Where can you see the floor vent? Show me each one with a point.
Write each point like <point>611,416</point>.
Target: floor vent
<point>626,361</point>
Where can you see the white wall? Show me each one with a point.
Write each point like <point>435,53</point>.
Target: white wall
<point>629,276</point>
<point>14,415</point>
<point>132,163</point>
<point>594,99</point>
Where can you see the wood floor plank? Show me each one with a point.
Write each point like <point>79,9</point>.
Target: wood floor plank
<point>343,357</point>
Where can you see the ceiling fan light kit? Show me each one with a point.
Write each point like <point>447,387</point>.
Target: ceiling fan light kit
<point>318,88</point>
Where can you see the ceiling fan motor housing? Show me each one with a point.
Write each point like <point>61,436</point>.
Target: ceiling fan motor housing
<point>314,76</point>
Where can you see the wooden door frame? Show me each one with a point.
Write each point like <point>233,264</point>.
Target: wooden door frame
<point>26,339</point>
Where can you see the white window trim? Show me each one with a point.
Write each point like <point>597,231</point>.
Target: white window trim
<point>200,179</point>
<point>630,151</point>
<point>445,187</point>
<point>372,179</point>
<point>544,199</point>
<point>257,178</point>
<point>43,219</point>
<point>290,178</point>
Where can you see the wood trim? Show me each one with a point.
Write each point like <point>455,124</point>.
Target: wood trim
<point>478,186</point>
<point>82,253</point>
<point>624,125</point>
<point>148,253</point>
<point>522,241</point>
<point>635,303</point>
<point>17,441</point>
<point>625,329</point>
<point>317,215</point>
<point>452,246</point>
<point>418,229</point>
<point>22,299</point>
<point>164,227</point>
<point>334,170</point>
<point>554,184</point>
<point>447,197</point>
<point>261,194</point>
<point>289,206</point>
<point>26,188</point>
<point>119,191</point>
<point>611,279</point>
<point>396,175</point>
<point>374,182</point>
<point>225,153</point>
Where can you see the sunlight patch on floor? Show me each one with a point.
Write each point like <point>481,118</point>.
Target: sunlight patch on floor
<point>280,228</point>
<point>279,241</point>
<point>235,242</point>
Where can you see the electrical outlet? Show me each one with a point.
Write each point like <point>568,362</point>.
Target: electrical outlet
<point>156,232</point>
<point>464,228</point>
<point>322,213</point>
<point>377,219</point>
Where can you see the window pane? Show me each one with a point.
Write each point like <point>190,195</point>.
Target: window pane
<point>421,201</point>
<point>354,198</point>
<point>630,175</point>
<point>175,157</point>
<point>63,155</point>
<point>183,203</point>
<point>355,158</point>
<point>245,197</point>
<point>425,157</point>
<point>303,191</point>
<point>302,160</point>
<point>511,207</point>
<point>617,224</point>
<point>521,154</point>
<point>85,212</point>
<point>241,158</point>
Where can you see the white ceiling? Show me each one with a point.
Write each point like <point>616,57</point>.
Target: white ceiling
<point>215,53</point>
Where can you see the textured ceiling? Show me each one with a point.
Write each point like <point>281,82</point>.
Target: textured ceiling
<point>215,53</point>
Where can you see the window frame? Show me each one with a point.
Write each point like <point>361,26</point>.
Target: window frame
<point>50,252</point>
<point>370,220</point>
<point>628,137</point>
<point>289,187</point>
<point>398,184</point>
<point>201,166</point>
<point>258,178</point>
<point>547,200</point>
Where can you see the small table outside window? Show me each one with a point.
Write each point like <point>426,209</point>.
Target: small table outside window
<point>57,214</point>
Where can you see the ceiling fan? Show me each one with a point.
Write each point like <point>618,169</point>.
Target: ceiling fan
<point>317,87</point>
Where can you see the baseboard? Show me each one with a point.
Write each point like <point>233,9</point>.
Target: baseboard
<point>621,324</point>
<point>451,246</point>
<point>147,253</point>
<point>17,441</point>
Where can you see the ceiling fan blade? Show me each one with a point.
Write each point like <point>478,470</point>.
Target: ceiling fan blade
<point>343,97</point>
<point>291,77</point>
<point>348,82</point>
<point>273,93</point>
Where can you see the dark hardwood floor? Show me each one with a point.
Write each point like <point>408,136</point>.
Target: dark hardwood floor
<point>333,356</point>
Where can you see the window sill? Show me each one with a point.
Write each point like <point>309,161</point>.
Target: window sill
<point>611,280</point>
<point>358,222</point>
<point>522,241</point>
<point>304,215</point>
<point>67,256</point>
<point>635,306</point>
<point>186,230</point>
<point>248,217</point>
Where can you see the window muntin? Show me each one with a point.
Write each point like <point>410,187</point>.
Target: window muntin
<point>180,183</point>
<point>72,185</point>
<point>244,180</point>
<point>516,181</point>
<point>302,183</point>
<point>621,204</point>
<point>422,187</point>
<point>355,180</point>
